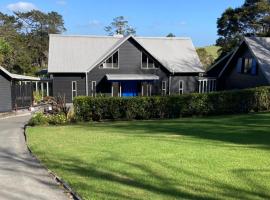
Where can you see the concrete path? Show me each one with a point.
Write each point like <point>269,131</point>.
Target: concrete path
<point>21,176</point>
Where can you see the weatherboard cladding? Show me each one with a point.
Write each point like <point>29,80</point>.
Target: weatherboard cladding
<point>62,85</point>
<point>231,79</point>
<point>5,93</point>
<point>69,54</point>
<point>129,63</point>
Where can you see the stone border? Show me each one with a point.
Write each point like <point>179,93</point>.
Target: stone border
<point>60,181</point>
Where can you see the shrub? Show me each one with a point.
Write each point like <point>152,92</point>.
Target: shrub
<point>38,119</point>
<point>37,96</point>
<point>58,119</point>
<point>216,103</point>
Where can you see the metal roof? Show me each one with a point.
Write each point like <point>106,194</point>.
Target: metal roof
<point>79,54</point>
<point>133,77</point>
<point>260,47</point>
<point>19,77</point>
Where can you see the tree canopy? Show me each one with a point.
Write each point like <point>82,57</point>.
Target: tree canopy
<point>251,19</point>
<point>24,39</point>
<point>120,26</point>
<point>170,35</point>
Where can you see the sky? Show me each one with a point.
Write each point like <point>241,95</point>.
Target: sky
<point>184,18</point>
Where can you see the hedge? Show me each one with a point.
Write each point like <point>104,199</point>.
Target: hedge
<point>157,107</point>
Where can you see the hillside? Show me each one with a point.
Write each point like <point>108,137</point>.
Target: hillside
<point>208,55</point>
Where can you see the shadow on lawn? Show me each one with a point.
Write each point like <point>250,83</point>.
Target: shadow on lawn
<point>197,186</point>
<point>252,129</point>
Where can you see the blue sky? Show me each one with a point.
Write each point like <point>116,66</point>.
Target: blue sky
<point>192,18</point>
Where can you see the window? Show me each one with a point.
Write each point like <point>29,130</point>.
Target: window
<point>74,89</point>
<point>112,62</point>
<point>147,63</point>
<point>116,89</point>
<point>146,89</point>
<point>181,87</point>
<point>247,66</point>
<point>93,88</point>
<point>164,88</point>
<point>207,85</point>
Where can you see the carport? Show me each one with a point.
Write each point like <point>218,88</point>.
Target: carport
<point>16,91</point>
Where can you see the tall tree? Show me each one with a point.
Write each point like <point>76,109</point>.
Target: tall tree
<point>170,35</point>
<point>27,33</point>
<point>251,19</point>
<point>120,26</point>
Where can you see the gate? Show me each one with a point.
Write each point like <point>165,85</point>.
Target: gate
<point>22,94</point>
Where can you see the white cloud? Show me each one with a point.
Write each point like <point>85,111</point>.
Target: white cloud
<point>21,6</point>
<point>61,2</point>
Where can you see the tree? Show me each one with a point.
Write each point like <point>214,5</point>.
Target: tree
<point>5,52</point>
<point>27,34</point>
<point>170,35</point>
<point>120,26</point>
<point>251,19</point>
<point>206,58</point>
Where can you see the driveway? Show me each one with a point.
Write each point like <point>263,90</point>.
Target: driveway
<point>21,176</point>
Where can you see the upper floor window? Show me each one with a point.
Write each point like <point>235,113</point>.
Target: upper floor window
<point>147,63</point>
<point>112,62</point>
<point>247,66</point>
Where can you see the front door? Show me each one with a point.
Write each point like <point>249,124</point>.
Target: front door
<point>129,88</point>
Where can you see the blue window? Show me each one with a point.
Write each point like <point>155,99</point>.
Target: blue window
<point>239,65</point>
<point>254,68</point>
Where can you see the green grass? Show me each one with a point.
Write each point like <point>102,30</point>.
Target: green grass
<point>192,158</point>
<point>213,50</point>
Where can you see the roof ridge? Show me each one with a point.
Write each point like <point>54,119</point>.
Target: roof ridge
<point>107,36</point>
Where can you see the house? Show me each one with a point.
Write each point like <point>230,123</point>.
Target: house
<point>248,66</point>
<point>16,90</point>
<point>123,66</point>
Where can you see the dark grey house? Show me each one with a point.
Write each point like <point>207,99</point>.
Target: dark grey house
<point>124,66</point>
<point>15,90</point>
<point>248,66</point>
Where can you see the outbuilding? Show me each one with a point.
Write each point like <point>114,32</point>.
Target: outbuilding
<point>16,91</point>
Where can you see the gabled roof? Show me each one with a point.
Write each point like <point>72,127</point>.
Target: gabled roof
<point>19,77</point>
<point>218,66</point>
<point>260,48</point>
<point>80,54</point>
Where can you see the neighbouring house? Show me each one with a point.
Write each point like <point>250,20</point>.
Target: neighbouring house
<point>16,91</point>
<point>124,66</point>
<point>248,66</point>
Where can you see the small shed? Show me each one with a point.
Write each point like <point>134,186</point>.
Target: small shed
<point>16,91</point>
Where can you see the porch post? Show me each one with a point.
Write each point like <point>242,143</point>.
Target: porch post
<point>36,86</point>
<point>47,88</point>
<point>42,90</point>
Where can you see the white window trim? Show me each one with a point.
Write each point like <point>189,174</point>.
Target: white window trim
<point>92,88</point>
<point>148,90</point>
<point>101,64</point>
<point>181,90</point>
<point>207,85</point>
<point>165,88</point>
<point>147,63</point>
<point>120,89</point>
<point>74,90</point>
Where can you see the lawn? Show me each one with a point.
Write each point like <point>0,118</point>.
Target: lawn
<point>224,157</point>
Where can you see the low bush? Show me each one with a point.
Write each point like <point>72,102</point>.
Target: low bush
<point>216,103</point>
<point>41,119</point>
<point>38,119</point>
